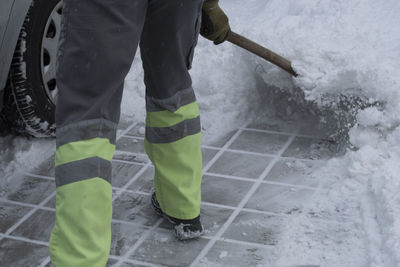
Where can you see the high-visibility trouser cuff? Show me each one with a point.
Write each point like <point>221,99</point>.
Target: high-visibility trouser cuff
<point>81,236</point>
<point>82,232</point>
<point>173,143</point>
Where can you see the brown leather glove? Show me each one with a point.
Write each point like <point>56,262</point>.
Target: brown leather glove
<point>215,23</point>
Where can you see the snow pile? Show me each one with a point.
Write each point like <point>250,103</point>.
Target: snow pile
<point>348,55</point>
<point>340,48</point>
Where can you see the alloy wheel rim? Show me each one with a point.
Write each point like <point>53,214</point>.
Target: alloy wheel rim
<point>48,57</point>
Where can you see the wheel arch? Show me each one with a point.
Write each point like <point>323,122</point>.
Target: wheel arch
<point>17,17</point>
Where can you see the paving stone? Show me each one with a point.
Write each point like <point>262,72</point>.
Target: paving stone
<point>222,140</point>
<point>37,227</point>
<point>21,254</point>
<point>51,203</point>
<point>338,211</point>
<point>31,190</point>
<point>124,236</point>
<point>258,228</point>
<point>213,218</point>
<point>317,129</point>
<point>232,255</point>
<point>242,165</point>
<point>144,183</point>
<point>307,148</point>
<point>279,199</point>
<point>260,142</point>
<point>10,214</point>
<point>135,208</point>
<point>130,157</point>
<point>208,154</point>
<point>111,262</point>
<point>122,173</point>
<point>338,242</point>
<point>297,172</point>
<point>224,191</point>
<point>132,145</point>
<point>161,247</point>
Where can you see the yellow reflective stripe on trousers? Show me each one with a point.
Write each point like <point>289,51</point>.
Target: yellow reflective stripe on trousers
<point>167,118</point>
<point>96,147</point>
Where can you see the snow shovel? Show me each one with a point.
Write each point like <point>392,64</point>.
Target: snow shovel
<point>263,52</point>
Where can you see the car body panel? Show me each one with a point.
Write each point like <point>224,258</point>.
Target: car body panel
<point>5,12</point>
<point>4,16</point>
<point>11,30</point>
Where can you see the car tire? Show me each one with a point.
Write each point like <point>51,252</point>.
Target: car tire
<point>29,99</point>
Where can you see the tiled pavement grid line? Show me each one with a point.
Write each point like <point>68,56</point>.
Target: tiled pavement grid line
<point>212,239</point>
<point>244,201</point>
<point>246,152</point>
<point>205,168</point>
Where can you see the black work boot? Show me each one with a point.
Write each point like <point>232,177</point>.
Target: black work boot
<point>184,229</point>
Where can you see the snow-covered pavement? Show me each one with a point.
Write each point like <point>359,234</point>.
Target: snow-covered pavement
<point>258,183</point>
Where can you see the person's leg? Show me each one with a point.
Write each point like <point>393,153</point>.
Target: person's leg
<point>97,46</point>
<point>173,131</point>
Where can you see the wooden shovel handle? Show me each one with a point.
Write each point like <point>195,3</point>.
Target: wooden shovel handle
<point>263,52</point>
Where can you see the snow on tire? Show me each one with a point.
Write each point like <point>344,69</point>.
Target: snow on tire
<point>31,91</point>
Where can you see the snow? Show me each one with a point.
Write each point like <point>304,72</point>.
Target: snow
<point>223,254</point>
<point>339,48</point>
<point>17,156</point>
<point>28,99</point>
<point>344,48</point>
<point>347,53</point>
<point>183,232</point>
<point>142,130</point>
<point>23,50</point>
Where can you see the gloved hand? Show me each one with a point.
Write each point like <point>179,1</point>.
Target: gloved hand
<point>215,23</point>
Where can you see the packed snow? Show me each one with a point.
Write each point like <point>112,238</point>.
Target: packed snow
<point>347,53</point>
<point>342,50</point>
<point>19,155</point>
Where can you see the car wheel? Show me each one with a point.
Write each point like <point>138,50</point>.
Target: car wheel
<point>31,92</point>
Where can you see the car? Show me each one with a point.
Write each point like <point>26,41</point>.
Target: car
<point>29,34</point>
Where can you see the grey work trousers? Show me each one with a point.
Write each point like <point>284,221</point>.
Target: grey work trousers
<point>98,42</point>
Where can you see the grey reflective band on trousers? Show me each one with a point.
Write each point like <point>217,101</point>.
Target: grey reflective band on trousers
<point>85,130</point>
<point>173,103</point>
<point>82,170</point>
<point>162,135</point>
